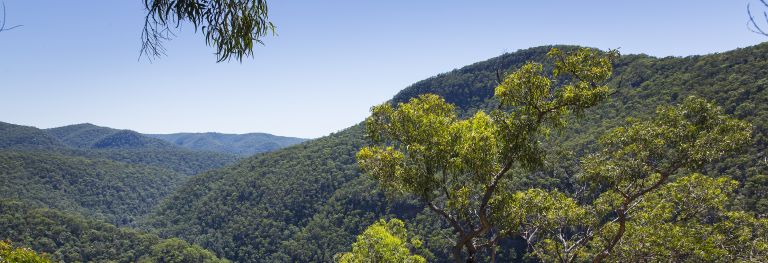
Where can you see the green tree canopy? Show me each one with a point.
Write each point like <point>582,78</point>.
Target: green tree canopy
<point>463,170</point>
<point>383,242</point>
<point>455,166</point>
<point>11,254</point>
<point>175,250</point>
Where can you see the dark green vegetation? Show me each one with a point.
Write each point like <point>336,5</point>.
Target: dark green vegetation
<point>68,237</point>
<point>115,175</point>
<point>254,206</point>
<point>110,190</point>
<point>53,179</point>
<point>308,202</point>
<point>240,144</point>
<point>25,137</point>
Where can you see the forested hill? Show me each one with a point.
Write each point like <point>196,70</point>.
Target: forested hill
<point>239,144</point>
<point>86,135</point>
<point>307,202</point>
<point>26,137</point>
<point>91,141</point>
<point>52,180</point>
<point>113,191</point>
<point>68,237</point>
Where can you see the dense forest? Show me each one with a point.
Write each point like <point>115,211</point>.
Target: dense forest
<point>69,237</point>
<point>309,201</point>
<point>66,191</point>
<point>240,144</point>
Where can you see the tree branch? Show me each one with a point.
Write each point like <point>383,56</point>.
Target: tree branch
<point>455,224</point>
<point>2,21</point>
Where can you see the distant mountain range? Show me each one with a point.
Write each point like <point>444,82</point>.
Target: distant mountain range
<point>116,175</point>
<point>86,135</point>
<point>239,144</point>
<point>70,182</point>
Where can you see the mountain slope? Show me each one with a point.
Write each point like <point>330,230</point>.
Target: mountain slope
<point>68,237</point>
<point>239,144</point>
<point>26,137</point>
<point>114,175</point>
<point>87,135</point>
<point>307,202</point>
<point>101,188</point>
<point>269,195</point>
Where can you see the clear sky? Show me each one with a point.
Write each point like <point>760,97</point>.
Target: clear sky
<point>77,61</point>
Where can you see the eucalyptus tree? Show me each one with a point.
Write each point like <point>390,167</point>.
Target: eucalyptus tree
<point>231,26</point>
<point>456,167</point>
<point>383,242</point>
<point>647,205</point>
<point>640,182</point>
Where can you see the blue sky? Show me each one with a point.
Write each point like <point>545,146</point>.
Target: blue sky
<point>77,61</point>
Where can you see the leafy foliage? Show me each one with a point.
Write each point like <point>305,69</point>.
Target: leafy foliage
<point>383,242</point>
<point>626,176</point>
<point>175,250</point>
<point>232,26</point>
<point>456,166</point>
<point>686,221</point>
<point>11,254</point>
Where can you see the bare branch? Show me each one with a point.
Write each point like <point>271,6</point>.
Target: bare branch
<point>451,220</point>
<point>2,21</point>
<point>755,27</point>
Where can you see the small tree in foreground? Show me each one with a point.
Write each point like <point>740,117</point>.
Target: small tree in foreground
<point>11,254</point>
<point>383,242</point>
<point>463,170</point>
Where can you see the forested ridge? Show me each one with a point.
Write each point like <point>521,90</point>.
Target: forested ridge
<point>307,202</point>
<point>91,141</point>
<point>240,144</point>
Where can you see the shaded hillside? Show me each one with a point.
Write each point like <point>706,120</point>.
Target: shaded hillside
<point>239,144</point>
<point>26,137</point>
<point>68,237</point>
<point>116,175</point>
<point>113,191</point>
<point>245,211</point>
<point>183,161</point>
<point>87,135</point>
<point>294,205</point>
